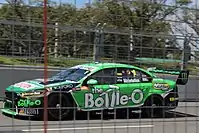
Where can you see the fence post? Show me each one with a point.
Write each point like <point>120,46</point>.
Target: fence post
<point>98,44</point>
<point>131,46</point>
<point>56,39</point>
<point>186,52</point>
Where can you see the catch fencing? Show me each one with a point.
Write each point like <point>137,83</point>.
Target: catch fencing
<point>39,39</point>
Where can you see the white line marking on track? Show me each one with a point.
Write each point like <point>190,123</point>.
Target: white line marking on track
<point>88,128</point>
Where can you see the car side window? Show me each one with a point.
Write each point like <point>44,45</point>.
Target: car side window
<point>145,77</point>
<point>126,75</point>
<point>105,76</point>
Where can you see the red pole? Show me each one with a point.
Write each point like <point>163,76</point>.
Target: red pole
<point>45,64</point>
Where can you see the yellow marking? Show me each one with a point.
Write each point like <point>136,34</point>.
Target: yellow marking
<point>119,74</point>
<point>134,72</point>
<point>21,111</point>
<point>84,88</point>
<point>172,99</point>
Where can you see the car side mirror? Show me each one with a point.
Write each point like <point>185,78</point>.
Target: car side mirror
<point>92,82</point>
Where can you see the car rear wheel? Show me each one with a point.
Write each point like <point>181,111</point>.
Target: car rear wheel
<point>60,107</point>
<point>153,108</point>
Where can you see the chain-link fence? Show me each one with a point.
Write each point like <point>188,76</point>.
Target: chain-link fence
<point>114,91</point>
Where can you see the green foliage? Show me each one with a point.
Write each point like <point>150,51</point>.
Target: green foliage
<point>63,62</point>
<point>146,19</point>
<point>69,62</point>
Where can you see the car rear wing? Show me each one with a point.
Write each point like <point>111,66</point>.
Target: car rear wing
<point>183,75</point>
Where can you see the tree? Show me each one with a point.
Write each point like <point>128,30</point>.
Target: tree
<point>77,28</point>
<point>187,16</point>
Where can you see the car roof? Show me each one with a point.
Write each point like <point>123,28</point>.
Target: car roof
<point>99,66</point>
<point>105,65</point>
<point>109,65</point>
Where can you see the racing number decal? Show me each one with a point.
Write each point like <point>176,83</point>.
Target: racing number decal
<point>109,100</point>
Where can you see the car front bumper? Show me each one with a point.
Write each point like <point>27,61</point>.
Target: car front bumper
<point>10,108</point>
<point>13,113</point>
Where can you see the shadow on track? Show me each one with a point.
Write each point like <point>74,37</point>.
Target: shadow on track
<point>88,116</point>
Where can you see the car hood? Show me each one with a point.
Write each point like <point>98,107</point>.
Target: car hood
<point>37,84</point>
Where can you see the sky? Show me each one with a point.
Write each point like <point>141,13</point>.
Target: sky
<point>81,3</point>
<point>78,3</point>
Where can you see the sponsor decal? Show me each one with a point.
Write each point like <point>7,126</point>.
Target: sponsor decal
<point>24,85</point>
<point>30,94</point>
<point>79,89</point>
<point>29,111</point>
<point>161,86</point>
<point>89,68</point>
<point>84,88</point>
<point>28,103</point>
<point>171,99</point>
<point>131,80</point>
<point>127,80</point>
<point>96,90</point>
<point>63,86</point>
<point>119,79</point>
<point>184,77</point>
<point>112,97</point>
<point>145,79</point>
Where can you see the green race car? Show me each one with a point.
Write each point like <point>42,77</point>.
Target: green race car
<point>95,87</point>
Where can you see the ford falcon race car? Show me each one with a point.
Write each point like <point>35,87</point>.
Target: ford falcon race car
<point>95,87</point>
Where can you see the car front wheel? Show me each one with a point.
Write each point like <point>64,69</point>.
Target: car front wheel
<point>60,107</point>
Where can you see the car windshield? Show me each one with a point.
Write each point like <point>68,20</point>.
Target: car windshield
<point>73,74</point>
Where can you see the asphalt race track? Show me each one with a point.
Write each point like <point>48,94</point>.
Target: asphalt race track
<point>11,75</point>
<point>181,120</point>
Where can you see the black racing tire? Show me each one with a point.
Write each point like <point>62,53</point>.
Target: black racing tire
<point>60,107</point>
<point>153,108</point>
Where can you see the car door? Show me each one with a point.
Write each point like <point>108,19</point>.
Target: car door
<point>134,86</point>
<point>97,96</point>
<point>102,91</point>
